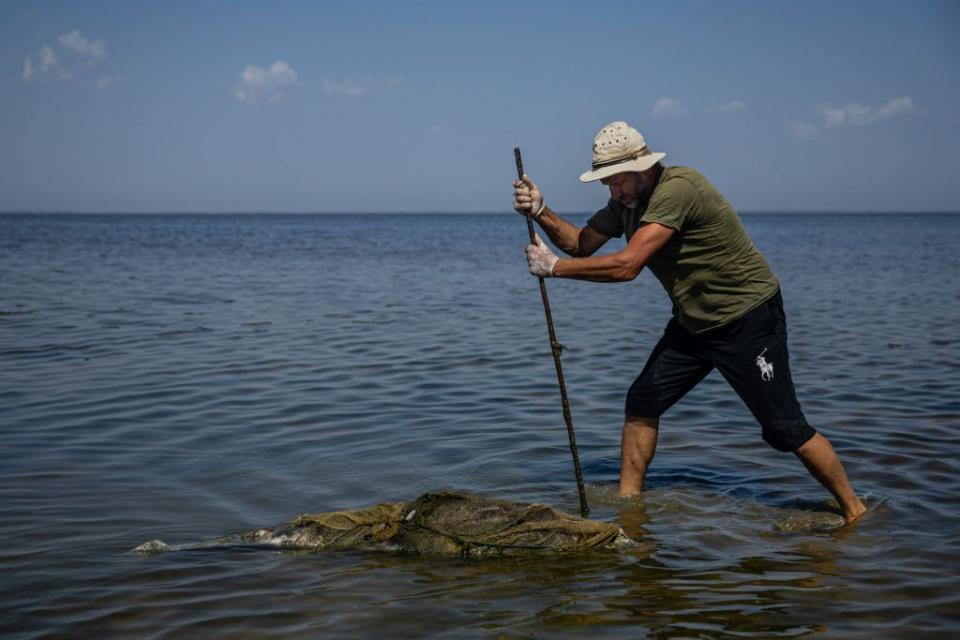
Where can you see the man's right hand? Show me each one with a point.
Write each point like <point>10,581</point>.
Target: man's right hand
<point>527,197</point>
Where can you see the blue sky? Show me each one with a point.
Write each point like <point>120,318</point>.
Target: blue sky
<point>416,106</point>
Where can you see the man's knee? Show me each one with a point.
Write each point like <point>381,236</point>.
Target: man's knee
<point>644,401</point>
<point>638,421</point>
<point>787,436</point>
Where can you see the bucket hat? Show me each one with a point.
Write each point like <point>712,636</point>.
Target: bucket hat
<point>619,148</point>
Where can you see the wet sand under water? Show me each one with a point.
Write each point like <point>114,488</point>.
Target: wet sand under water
<point>186,377</point>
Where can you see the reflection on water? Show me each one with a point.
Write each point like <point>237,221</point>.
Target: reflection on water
<point>190,376</point>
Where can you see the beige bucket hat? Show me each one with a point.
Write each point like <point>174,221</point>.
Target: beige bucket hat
<point>619,148</point>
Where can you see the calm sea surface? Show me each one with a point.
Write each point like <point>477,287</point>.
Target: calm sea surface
<point>183,377</point>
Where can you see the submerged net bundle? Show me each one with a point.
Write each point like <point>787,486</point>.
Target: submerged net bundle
<point>442,523</point>
<point>455,523</point>
<point>353,529</point>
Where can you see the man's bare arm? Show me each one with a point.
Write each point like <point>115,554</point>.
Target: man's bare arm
<point>621,266</point>
<point>572,240</point>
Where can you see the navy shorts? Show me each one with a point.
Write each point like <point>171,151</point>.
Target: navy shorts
<point>750,353</point>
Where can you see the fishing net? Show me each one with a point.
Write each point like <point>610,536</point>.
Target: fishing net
<point>448,523</point>
<point>354,529</point>
<point>443,523</point>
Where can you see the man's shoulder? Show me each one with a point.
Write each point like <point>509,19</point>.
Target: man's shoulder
<point>681,183</point>
<point>688,184</point>
<point>680,174</point>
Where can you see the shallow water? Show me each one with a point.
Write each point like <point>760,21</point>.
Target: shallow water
<point>183,377</point>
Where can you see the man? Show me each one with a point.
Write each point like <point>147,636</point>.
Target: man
<point>727,309</point>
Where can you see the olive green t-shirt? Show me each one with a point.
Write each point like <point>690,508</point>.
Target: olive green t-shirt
<point>709,267</point>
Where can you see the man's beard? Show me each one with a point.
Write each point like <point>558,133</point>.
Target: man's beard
<point>639,202</point>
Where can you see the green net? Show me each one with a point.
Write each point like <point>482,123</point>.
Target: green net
<point>354,529</point>
<point>456,523</point>
<point>442,523</point>
<point>449,523</point>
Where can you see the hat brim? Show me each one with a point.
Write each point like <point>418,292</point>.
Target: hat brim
<point>640,164</point>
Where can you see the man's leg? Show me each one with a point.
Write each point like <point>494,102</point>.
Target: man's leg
<point>821,460</point>
<point>752,355</point>
<point>673,368</point>
<point>637,447</point>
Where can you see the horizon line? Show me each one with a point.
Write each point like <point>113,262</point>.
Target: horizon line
<point>455,213</point>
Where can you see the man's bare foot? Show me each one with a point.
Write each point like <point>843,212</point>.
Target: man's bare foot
<point>854,512</point>
<point>821,460</point>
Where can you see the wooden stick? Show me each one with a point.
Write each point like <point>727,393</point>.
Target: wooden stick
<point>556,349</point>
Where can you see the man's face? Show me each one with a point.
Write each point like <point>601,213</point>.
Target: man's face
<point>625,188</point>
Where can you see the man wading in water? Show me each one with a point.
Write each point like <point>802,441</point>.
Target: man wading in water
<point>727,309</point>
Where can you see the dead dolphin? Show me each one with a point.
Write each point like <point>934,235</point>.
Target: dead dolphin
<point>441,523</point>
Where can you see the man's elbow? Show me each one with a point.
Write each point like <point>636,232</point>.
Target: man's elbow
<point>579,251</point>
<point>573,250</point>
<point>628,268</point>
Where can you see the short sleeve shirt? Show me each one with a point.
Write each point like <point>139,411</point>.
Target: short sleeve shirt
<point>710,268</point>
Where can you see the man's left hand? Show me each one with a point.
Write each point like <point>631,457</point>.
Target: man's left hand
<point>540,258</point>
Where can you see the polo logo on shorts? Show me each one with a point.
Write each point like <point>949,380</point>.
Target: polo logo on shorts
<point>766,368</point>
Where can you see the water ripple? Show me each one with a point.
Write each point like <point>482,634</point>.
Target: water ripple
<point>188,376</point>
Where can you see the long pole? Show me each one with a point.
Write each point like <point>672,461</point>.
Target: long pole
<point>556,349</point>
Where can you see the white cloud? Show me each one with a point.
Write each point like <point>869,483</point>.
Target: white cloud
<point>896,106</point>
<point>48,59</point>
<point>728,107</point>
<point>82,54</point>
<point>668,107</point>
<point>852,114</point>
<point>265,85</point>
<point>855,113</point>
<point>89,52</point>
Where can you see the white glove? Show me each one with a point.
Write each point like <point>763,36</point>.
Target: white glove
<point>540,258</point>
<point>527,197</point>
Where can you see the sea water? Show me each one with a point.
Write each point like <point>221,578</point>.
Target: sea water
<point>186,376</point>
